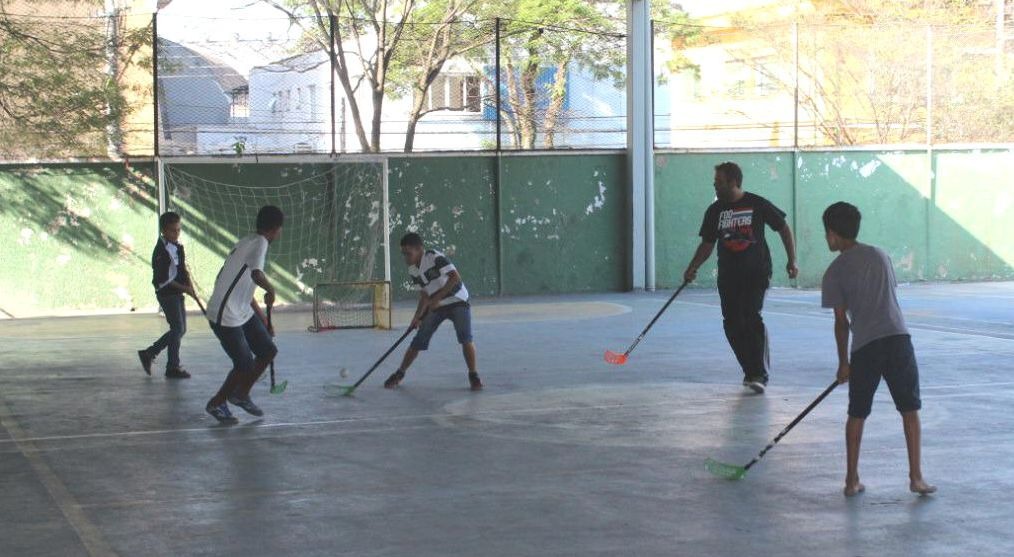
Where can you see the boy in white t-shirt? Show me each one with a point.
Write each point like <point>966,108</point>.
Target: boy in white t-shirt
<point>238,321</point>
<point>442,295</point>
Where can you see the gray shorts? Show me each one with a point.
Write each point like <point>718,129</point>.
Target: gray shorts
<point>892,358</point>
<point>459,313</point>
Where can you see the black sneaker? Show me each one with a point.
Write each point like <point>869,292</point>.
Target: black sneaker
<point>394,379</point>
<point>756,384</point>
<point>474,381</point>
<point>178,373</point>
<point>146,360</point>
<point>221,413</point>
<point>246,404</point>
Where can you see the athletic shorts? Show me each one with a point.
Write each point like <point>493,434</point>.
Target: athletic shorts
<point>892,358</point>
<point>242,344</point>
<point>459,313</point>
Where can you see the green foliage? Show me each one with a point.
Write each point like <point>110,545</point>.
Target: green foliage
<point>58,97</point>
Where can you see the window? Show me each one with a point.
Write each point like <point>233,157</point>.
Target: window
<point>736,77</point>
<point>311,91</point>
<point>455,92</point>
<point>299,98</point>
<point>473,94</point>
<point>240,105</point>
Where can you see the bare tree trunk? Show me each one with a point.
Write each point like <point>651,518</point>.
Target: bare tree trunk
<point>529,102</point>
<point>557,96</point>
<point>114,130</point>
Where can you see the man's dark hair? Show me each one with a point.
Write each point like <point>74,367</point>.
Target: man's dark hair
<point>843,219</point>
<point>731,171</point>
<point>168,218</point>
<point>411,239</point>
<point>269,218</point>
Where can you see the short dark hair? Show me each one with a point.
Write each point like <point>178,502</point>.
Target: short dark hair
<point>167,218</point>
<point>843,219</point>
<point>731,171</point>
<point>411,239</point>
<point>269,218</point>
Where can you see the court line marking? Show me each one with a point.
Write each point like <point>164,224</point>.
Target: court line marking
<point>89,535</point>
<point>919,327</point>
<point>915,312</point>
<point>445,415</point>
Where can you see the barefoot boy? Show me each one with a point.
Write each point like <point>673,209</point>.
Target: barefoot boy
<point>171,281</point>
<point>860,286</point>
<point>238,321</point>
<point>442,296</point>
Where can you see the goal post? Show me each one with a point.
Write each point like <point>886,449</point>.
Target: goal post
<point>351,305</point>
<point>336,238</point>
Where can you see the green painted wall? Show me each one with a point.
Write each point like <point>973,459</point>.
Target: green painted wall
<point>449,201</point>
<point>953,227</point>
<point>76,237</point>
<point>564,223</point>
<point>562,219</point>
<point>971,224</point>
<point>683,191</point>
<point>79,235</point>
<point>891,191</point>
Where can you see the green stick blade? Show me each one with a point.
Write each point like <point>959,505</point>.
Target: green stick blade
<point>279,388</point>
<point>722,470</point>
<point>338,390</point>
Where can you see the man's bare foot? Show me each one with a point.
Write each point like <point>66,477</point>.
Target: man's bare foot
<point>921,487</point>
<point>854,488</point>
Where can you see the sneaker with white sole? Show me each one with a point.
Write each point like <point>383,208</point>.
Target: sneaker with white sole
<point>246,404</point>
<point>756,384</point>
<point>221,413</point>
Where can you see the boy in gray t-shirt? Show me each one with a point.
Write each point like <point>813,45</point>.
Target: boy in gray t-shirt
<point>859,284</point>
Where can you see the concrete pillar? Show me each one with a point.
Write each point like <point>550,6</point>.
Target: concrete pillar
<point>640,145</point>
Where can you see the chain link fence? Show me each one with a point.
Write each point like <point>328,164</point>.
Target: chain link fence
<point>442,86</point>
<point>75,82</point>
<point>99,84</point>
<point>835,85</point>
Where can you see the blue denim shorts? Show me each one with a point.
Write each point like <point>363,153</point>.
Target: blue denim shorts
<point>892,358</point>
<point>244,343</point>
<point>460,314</point>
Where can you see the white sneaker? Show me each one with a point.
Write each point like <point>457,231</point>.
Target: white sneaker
<point>755,385</point>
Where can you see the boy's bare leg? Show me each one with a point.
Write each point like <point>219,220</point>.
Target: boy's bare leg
<point>407,359</point>
<point>853,439</point>
<point>913,440</point>
<point>468,349</point>
<point>247,383</point>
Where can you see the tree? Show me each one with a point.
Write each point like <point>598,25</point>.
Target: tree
<point>62,91</point>
<point>440,31</point>
<point>864,70</point>
<point>543,42</point>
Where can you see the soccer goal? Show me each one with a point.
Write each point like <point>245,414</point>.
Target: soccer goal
<point>334,252</point>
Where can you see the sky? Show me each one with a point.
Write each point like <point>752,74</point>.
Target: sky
<point>242,33</point>
<point>247,33</point>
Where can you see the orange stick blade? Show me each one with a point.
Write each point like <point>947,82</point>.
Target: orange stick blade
<point>615,358</point>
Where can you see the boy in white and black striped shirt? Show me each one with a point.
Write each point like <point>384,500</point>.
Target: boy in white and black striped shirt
<point>442,296</point>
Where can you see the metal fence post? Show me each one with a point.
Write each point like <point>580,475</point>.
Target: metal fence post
<point>154,82</point>
<point>498,159</point>
<point>331,25</point>
<point>496,79</point>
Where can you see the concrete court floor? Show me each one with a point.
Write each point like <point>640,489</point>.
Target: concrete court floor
<point>562,455</point>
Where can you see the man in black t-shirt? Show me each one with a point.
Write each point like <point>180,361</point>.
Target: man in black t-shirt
<point>736,223</point>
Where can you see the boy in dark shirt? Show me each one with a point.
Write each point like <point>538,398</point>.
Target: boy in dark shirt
<point>736,222</point>
<point>859,284</point>
<point>171,281</point>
